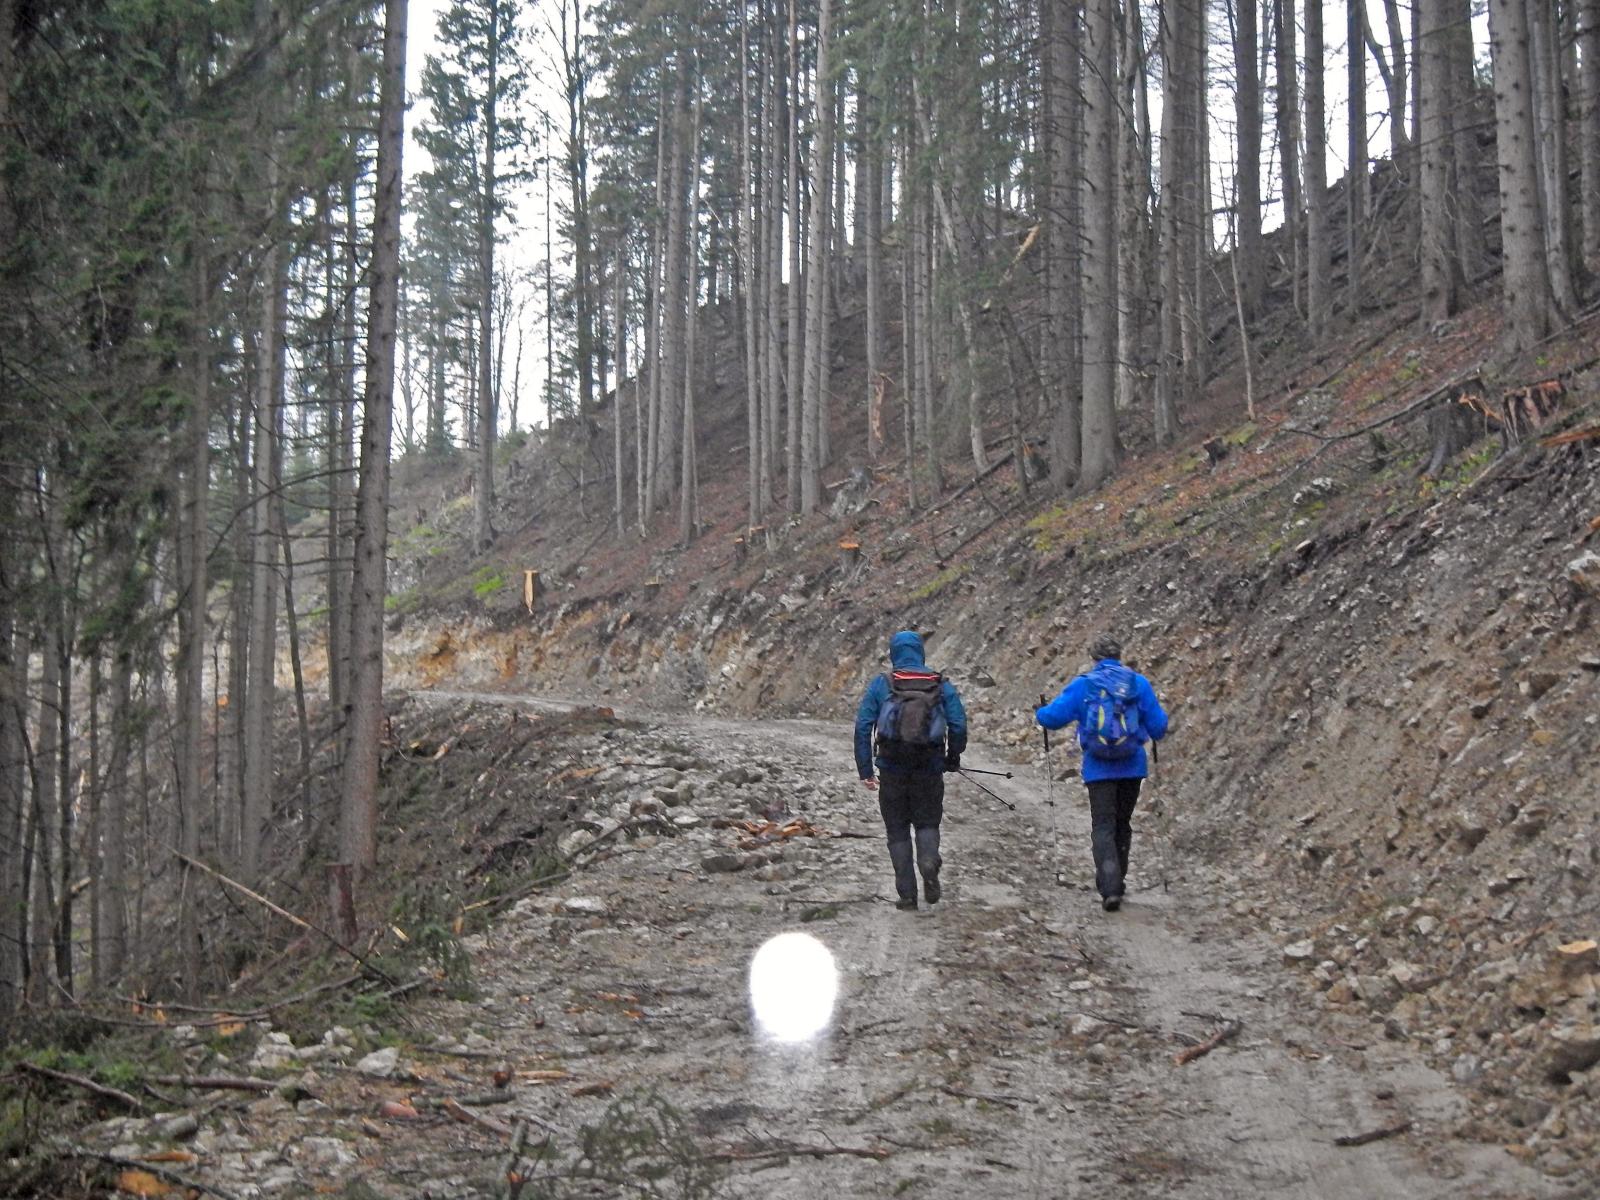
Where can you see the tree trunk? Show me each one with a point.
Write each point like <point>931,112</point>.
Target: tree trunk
<point>869,243</point>
<point>689,499</point>
<point>817,360</point>
<point>1247,110</point>
<point>1318,250</point>
<point>1550,127</point>
<point>619,362</point>
<point>1288,124</point>
<point>1589,130</point>
<point>192,622</point>
<point>795,348</point>
<point>1525,280</point>
<point>1442,280</point>
<point>358,831</point>
<point>1355,190</point>
<point>260,697</point>
<point>1099,243</point>
<point>112,955</point>
<point>1059,353</point>
<point>483,493</point>
<point>747,283</point>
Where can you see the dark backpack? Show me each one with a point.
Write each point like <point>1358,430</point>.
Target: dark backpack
<point>911,722</point>
<point>1109,726</point>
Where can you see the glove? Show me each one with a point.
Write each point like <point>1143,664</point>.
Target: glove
<point>952,762</point>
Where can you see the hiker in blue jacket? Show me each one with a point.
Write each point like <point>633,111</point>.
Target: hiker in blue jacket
<point>912,726</point>
<point>1116,711</point>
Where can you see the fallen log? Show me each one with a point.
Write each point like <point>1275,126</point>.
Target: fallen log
<point>190,1185</point>
<point>467,1117</point>
<point>1226,1033</point>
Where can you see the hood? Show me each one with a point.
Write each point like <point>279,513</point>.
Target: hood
<point>905,650</point>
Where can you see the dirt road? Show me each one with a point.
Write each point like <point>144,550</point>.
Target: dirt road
<point>1013,1040</point>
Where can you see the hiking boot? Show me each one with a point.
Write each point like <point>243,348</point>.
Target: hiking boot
<point>1111,903</point>
<point>931,891</point>
<point>907,905</point>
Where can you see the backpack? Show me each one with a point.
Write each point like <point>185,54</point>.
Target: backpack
<point>1109,726</point>
<point>911,723</point>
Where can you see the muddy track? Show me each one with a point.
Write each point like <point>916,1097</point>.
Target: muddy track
<point>1013,1040</point>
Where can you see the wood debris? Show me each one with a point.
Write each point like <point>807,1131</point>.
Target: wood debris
<point>1372,1135</point>
<point>1226,1033</point>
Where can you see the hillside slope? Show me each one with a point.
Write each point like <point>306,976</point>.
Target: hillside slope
<point>1385,686</point>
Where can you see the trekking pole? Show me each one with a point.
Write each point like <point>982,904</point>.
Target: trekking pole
<point>1161,814</point>
<point>981,788</point>
<point>981,771</point>
<point>1050,803</point>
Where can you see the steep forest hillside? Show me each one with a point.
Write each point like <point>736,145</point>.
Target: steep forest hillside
<point>396,796</point>
<point>1373,612</point>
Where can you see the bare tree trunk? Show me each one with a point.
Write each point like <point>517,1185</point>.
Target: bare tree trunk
<point>1589,130</point>
<point>1177,173</point>
<point>1099,243</point>
<point>13,723</point>
<point>619,361</point>
<point>689,499</point>
<point>1060,354</point>
<point>1469,213</point>
<point>772,273</point>
<point>1247,110</point>
<point>358,832</point>
<point>259,750</point>
<point>1526,278</point>
<point>869,240</point>
<point>1318,251</point>
<point>1134,226</point>
<point>1288,124</point>
<point>1442,280</point>
<point>192,621</point>
<point>1550,128</point>
<point>112,957</point>
<point>817,359</point>
<point>675,297</point>
<point>1355,190</point>
<point>483,497</point>
<point>795,349</point>
<point>747,282</point>
<point>46,801</point>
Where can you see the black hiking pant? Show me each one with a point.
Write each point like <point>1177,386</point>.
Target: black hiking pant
<point>1111,804</point>
<point>912,800</point>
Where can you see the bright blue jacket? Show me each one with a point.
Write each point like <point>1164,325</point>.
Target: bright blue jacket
<point>1068,707</point>
<point>905,653</point>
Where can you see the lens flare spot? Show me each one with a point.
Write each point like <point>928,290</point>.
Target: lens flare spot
<point>793,986</point>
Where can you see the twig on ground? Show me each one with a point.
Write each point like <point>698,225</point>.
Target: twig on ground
<point>1224,1034</point>
<point>1373,1135</point>
<point>1008,1101</point>
<point>792,1150</point>
<point>88,1085</point>
<point>466,1117</point>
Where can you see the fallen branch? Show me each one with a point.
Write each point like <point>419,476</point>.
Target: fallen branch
<point>1373,1135</point>
<point>230,1083</point>
<point>1008,1101</point>
<point>1226,1033</point>
<point>732,1155</point>
<point>299,922</point>
<point>466,1117</point>
<point>88,1085</point>
<point>224,1016</point>
<point>71,1150</point>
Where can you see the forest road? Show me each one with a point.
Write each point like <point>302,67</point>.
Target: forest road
<point>1013,1040</point>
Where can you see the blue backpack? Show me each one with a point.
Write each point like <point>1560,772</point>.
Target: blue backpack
<point>1109,725</point>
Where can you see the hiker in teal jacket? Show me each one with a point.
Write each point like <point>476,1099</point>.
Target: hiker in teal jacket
<point>912,795</point>
<point>1114,761</point>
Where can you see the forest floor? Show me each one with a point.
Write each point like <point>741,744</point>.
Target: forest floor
<point>1012,1040</point>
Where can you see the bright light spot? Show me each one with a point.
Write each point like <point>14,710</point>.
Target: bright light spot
<point>793,985</point>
